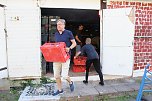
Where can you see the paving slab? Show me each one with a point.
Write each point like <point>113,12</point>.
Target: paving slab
<point>4,84</point>
<point>123,87</point>
<point>107,89</point>
<point>134,86</point>
<point>39,93</point>
<point>80,90</point>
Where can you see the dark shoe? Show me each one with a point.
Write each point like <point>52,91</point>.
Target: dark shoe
<point>71,86</point>
<point>57,92</point>
<point>101,83</point>
<point>85,82</point>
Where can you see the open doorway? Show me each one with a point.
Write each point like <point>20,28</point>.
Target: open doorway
<point>90,19</point>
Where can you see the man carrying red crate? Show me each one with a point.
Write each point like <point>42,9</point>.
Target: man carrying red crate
<point>92,57</point>
<point>62,68</point>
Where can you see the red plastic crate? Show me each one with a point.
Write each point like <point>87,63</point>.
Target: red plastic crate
<point>55,52</point>
<point>80,60</point>
<point>78,68</point>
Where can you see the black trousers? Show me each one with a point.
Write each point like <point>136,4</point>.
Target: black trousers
<point>97,66</point>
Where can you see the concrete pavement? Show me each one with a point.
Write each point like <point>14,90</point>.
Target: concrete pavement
<point>95,92</point>
<point>4,84</point>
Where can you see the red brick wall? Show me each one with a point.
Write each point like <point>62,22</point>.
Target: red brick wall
<point>143,31</point>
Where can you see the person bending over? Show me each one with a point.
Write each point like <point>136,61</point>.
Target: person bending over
<point>92,57</point>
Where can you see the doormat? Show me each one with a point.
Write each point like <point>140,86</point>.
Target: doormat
<point>39,93</point>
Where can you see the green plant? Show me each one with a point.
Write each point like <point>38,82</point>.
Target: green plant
<point>12,95</point>
<point>28,82</point>
<point>44,80</point>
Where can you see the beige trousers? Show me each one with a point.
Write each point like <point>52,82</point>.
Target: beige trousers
<point>61,69</point>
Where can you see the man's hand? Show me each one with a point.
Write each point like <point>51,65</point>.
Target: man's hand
<point>80,43</point>
<point>67,49</point>
<point>75,57</point>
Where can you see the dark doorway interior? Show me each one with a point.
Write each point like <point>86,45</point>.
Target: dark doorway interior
<point>74,17</point>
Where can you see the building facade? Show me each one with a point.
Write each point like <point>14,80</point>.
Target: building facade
<point>21,32</point>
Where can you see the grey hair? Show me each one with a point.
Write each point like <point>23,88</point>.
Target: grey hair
<point>88,41</point>
<point>61,20</point>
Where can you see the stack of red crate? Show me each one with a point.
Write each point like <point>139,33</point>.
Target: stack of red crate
<point>79,64</point>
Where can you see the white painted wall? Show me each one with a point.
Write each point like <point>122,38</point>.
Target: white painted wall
<point>118,36</point>
<point>24,37</point>
<point>21,3</point>
<point>78,4</point>
<point>2,39</point>
<point>3,2</point>
<point>3,55</point>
